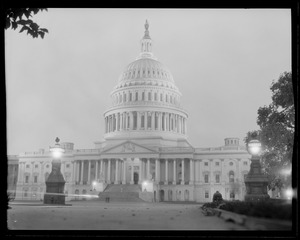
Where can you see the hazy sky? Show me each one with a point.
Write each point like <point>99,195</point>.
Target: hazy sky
<point>223,62</point>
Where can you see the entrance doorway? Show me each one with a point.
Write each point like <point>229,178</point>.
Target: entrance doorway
<point>162,195</point>
<point>135,178</point>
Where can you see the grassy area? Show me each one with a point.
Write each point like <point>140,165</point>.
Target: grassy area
<point>267,209</point>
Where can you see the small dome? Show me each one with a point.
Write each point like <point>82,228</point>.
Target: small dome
<point>145,68</point>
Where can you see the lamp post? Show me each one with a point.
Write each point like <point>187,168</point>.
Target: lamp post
<point>256,181</point>
<point>55,183</point>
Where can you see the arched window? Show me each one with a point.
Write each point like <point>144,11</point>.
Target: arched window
<point>120,98</point>
<point>130,97</point>
<point>136,96</point>
<point>143,95</point>
<point>166,98</point>
<point>156,121</point>
<point>149,96</point>
<point>161,97</point>
<point>231,176</point>
<point>124,97</point>
<point>155,96</point>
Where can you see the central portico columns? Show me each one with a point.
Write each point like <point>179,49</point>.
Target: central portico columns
<point>182,172</point>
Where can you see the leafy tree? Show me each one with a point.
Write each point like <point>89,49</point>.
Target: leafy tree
<point>276,133</point>
<point>15,17</point>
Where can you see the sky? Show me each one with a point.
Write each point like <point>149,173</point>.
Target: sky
<point>222,60</point>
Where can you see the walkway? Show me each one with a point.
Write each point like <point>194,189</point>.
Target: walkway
<point>95,215</point>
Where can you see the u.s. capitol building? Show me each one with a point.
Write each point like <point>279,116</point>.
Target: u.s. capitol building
<point>145,145</point>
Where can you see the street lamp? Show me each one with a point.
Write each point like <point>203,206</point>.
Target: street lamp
<point>256,181</point>
<point>55,183</point>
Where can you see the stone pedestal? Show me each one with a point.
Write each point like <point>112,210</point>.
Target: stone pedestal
<point>55,185</point>
<point>256,182</point>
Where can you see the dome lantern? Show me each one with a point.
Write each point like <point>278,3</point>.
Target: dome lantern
<point>146,44</point>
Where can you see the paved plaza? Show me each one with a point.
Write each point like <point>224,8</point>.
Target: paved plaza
<point>96,215</point>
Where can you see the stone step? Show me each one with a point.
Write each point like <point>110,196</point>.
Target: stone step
<point>123,188</point>
<point>120,197</point>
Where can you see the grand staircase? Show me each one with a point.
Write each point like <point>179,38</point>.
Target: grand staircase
<point>121,193</point>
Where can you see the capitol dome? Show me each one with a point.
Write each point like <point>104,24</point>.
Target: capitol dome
<point>146,100</point>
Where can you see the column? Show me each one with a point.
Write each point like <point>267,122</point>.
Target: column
<point>117,171</point>
<point>96,171</point>
<point>182,171</point>
<point>131,180</point>
<point>156,171</point>
<point>118,122</point>
<point>191,171</point>
<point>89,172</point>
<point>138,119</point>
<point>81,176</point>
<point>77,165</point>
<point>42,173</point>
<point>121,121</point>
<point>140,171</point>
<point>124,171</point>
<point>174,172</point>
<point>148,168</point>
<point>19,173</point>
<point>131,121</point>
<point>101,169</point>
<point>108,172</point>
<point>166,173</point>
<point>73,172</point>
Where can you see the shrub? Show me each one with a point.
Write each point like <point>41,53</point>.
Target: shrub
<point>267,209</point>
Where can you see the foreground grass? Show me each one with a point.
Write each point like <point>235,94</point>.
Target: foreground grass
<point>267,209</point>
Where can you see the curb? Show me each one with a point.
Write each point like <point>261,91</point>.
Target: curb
<point>253,223</point>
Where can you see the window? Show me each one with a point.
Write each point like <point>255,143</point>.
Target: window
<point>67,165</point>
<point>155,96</point>
<point>161,97</point>
<point>25,193</point>
<point>231,176</point>
<point>206,178</point>
<point>206,194</point>
<point>217,178</point>
<point>217,163</point>
<point>136,96</point>
<point>232,195</point>
<point>35,179</point>
<point>124,97</point>
<point>27,166</point>
<point>166,98</point>
<point>205,163</point>
<point>47,166</point>
<point>36,166</point>
<point>149,96</point>
<point>130,97</point>
<point>26,179</point>
<point>143,96</point>
<point>231,163</point>
<point>245,163</point>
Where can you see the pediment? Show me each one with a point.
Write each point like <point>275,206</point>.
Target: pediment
<point>128,147</point>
